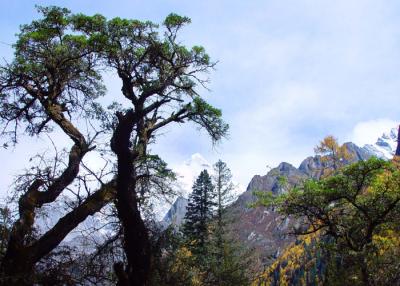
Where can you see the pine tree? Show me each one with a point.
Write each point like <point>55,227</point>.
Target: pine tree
<point>199,213</point>
<point>216,258</point>
<point>54,81</point>
<point>223,187</point>
<point>228,260</point>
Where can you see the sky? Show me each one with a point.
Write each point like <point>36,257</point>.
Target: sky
<point>289,73</point>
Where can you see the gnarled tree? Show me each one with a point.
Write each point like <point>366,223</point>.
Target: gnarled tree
<point>158,77</point>
<point>355,213</point>
<point>54,81</point>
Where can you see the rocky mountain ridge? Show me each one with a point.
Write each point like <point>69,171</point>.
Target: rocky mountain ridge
<point>176,213</point>
<point>263,229</point>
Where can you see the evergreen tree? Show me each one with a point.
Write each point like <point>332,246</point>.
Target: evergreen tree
<point>223,189</point>
<point>234,267</point>
<point>228,261</point>
<point>199,213</point>
<point>216,258</point>
<point>54,81</point>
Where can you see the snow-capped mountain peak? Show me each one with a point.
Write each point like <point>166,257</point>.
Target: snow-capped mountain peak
<point>188,172</point>
<point>385,146</point>
<point>197,160</point>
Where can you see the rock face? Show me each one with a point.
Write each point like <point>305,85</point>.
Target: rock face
<point>313,166</point>
<point>270,182</point>
<point>176,213</point>
<point>263,228</point>
<point>385,146</point>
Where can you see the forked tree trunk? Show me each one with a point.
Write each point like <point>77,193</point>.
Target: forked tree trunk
<point>136,241</point>
<point>17,267</point>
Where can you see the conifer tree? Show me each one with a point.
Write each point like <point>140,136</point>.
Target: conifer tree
<point>223,187</point>
<point>228,261</point>
<point>333,155</point>
<point>199,213</point>
<point>215,256</point>
<point>53,82</point>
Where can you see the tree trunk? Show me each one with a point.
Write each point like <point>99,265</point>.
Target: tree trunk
<point>398,143</point>
<point>17,270</point>
<point>17,267</point>
<point>365,276</point>
<point>364,268</point>
<point>136,240</point>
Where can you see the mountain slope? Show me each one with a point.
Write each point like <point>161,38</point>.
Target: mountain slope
<point>385,146</point>
<point>176,213</point>
<point>263,228</point>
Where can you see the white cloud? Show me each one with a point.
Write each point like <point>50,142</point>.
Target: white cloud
<point>187,172</point>
<point>367,132</point>
<point>190,169</point>
<point>289,73</point>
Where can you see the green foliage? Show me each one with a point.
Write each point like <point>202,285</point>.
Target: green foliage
<point>209,118</point>
<point>172,261</point>
<point>55,80</point>
<point>359,198</point>
<point>156,69</point>
<point>198,215</point>
<point>68,50</point>
<point>174,21</point>
<point>216,257</point>
<point>282,181</point>
<point>229,265</point>
<point>222,180</point>
<point>53,62</point>
<point>357,213</point>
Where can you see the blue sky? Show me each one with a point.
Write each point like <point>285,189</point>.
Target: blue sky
<point>288,74</point>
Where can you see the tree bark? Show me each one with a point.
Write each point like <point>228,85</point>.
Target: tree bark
<point>398,143</point>
<point>136,240</point>
<point>17,267</point>
<point>364,273</point>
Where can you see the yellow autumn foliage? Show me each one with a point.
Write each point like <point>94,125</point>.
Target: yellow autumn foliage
<point>332,152</point>
<point>292,258</point>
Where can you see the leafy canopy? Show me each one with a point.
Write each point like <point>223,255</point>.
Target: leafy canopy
<point>355,214</point>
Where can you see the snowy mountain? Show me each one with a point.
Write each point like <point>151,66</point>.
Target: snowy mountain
<point>176,213</point>
<point>260,228</point>
<point>187,172</point>
<point>263,228</point>
<point>385,146</point>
